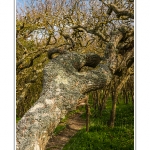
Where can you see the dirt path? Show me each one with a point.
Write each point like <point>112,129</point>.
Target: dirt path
<point>73,125</point>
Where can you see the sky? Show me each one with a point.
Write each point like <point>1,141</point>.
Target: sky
<point>19,1</point>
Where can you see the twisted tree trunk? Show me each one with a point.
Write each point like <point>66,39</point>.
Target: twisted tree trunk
<point>64,88</point>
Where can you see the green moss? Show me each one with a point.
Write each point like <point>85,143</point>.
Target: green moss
<point>17,119</point>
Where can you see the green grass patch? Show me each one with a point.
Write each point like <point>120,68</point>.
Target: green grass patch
<point>59,128</point>
<point>101,137</point>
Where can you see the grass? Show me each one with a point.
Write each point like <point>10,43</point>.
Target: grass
<point>59,128</point>
<point>101,137</point>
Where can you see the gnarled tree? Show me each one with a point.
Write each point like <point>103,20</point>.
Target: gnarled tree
<point>103,29</point>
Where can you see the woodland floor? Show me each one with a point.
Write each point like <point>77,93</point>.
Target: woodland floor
<point>73,124</point>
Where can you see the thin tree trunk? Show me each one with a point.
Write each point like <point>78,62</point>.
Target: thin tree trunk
<point>103,104</point>
<point>113,111</point>
<point>95,99</point>
<point>87,117</point>
<point>115,93</point>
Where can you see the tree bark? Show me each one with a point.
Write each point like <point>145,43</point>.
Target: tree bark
<point>87,116</point>
<point>113,110</point>
<point>64,88</point>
